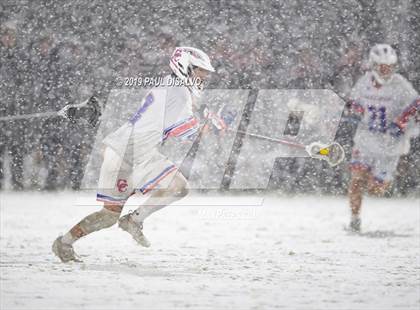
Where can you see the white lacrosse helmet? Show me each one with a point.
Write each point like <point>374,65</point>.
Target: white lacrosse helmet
<point>383,54</point>
<point>182,63</point>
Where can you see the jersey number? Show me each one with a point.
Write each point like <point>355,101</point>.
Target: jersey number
<point>377,119</point>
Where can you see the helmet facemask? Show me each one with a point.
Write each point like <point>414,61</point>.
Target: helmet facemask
<point>383,61</point>
<point>383,72</point>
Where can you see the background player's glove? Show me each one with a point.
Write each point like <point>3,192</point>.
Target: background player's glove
<point>353,112</point>
<point>89,110</point>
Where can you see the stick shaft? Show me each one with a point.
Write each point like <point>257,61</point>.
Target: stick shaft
<point>281,141</point>
<point>28,116</point>
<point>186,164</point>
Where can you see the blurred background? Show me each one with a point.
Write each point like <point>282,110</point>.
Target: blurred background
<point>56,52</point>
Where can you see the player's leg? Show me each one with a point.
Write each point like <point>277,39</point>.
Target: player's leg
<point>356,188</point>
<point>106,217</point>
<point>377,187</point>
<point>378,170</point>
<point>361,167</point>
<point>161,198</point>
<point>114,190</point>
<point>382,174</point>
<point>158,199</point>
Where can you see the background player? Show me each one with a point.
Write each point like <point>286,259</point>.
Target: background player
<point>384,100</point>
<point>132,162</point>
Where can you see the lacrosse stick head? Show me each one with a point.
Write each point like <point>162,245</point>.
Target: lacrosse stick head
<point>89,111</point>
<point>332,153</point>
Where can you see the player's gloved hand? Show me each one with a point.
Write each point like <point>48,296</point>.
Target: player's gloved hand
<point>395,130</point>
<point>353,112</point>
<point>217,122</point>
<point>227,115</point>
<point>212,121</point>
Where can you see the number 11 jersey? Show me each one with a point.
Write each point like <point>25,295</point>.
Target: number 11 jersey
<point>380,106</point>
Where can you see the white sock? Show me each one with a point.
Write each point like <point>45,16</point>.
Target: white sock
<point>152,205</point>
<point>68,238</point>
<point>143,212</point>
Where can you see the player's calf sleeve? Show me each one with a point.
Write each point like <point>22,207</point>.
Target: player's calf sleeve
<point>91,223</point>
<point>99,220</point>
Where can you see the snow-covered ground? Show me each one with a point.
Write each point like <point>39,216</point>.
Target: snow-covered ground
<point>245,252</point>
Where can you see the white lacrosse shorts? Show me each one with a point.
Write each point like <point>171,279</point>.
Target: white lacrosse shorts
<point>119,180</point>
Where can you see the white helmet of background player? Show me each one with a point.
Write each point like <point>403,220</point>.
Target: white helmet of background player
<point>383,61</point>
<point>184,63</point>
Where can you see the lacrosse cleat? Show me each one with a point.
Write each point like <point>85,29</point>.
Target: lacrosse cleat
<point>135,229</point>
<point>355,224</point>
<point>64,251</point>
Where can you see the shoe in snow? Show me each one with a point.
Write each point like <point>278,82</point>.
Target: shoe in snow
<point>127,223</point>
<point>64,252</point>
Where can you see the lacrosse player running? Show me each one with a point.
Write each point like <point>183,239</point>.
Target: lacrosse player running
<point>132,162</point>
<point>384,102</point>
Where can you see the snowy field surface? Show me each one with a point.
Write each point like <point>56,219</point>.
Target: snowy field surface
<point>209,252</point>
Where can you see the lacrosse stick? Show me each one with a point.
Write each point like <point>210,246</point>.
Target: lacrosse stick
<point>332,153</point>
<point>88,110</point>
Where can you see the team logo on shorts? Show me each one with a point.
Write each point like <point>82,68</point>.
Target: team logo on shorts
<point>122,185</point>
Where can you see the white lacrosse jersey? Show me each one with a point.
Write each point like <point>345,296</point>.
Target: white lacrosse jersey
<point>380,106</point>
<point>165,111</point>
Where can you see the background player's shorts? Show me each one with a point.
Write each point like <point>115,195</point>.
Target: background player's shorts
<point>381,166</point>
<point>118,180</point>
